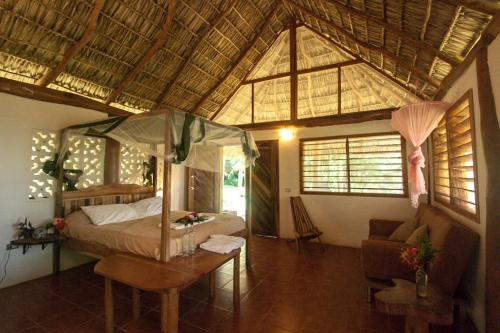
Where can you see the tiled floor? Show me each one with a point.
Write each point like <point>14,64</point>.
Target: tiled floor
<point>282,292</point>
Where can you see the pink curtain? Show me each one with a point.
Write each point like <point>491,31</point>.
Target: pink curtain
<point>416,122</point>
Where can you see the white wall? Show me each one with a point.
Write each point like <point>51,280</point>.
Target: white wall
<point>343,219</point>
<point>474,278</point>
<point>18,116</point>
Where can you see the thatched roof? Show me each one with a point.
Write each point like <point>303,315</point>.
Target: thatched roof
<point>192,55</point>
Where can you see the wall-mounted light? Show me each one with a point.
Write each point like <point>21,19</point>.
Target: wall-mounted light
<point>287,133</point>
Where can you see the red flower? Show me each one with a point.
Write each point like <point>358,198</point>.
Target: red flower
<point>59,223</point>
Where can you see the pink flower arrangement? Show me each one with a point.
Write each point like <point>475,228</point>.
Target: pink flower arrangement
<point>192,218</point>
<point>58,223</point>
<point>420,255</point>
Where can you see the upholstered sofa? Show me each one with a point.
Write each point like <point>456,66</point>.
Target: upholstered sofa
<point>381,257</point>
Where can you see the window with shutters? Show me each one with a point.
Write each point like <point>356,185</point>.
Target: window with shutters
<point>454,159</point>
<point>362,165</point>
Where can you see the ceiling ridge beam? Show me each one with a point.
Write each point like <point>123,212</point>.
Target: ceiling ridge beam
<point>52,74</point>
<point>240,58</point>
<point>420,44</point>
<point>387,76</point>
<point>416,71</point>
<point>195,48</point>
<point>157,44</point>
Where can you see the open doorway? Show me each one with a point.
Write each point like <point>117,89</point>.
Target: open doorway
<point>233,184</point>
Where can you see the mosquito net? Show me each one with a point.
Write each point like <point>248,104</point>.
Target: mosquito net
<point>193,139</point>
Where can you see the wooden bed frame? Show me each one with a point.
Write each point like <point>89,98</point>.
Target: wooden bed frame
<point>104,195</point>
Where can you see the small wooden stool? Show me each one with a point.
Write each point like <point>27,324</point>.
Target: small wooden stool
<point>167,279</point>
<point>402,300</point>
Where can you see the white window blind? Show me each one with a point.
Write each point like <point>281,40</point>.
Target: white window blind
<point>354,165</point>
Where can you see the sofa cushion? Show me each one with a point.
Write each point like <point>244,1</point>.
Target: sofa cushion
<point>439,224</point>
<point>377,237</point>
<point>404,231</point>
<point>421,230</point>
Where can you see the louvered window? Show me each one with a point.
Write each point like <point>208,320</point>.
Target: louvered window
<point>354,165</point>
<point>454,160</point>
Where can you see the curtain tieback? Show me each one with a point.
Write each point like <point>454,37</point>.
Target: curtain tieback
<point>416,158</point>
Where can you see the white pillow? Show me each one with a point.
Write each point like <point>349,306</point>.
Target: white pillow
<point>148,207</point>
<point>106,214</point>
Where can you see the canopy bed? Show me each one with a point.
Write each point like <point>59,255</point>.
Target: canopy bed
<point>185,139</point>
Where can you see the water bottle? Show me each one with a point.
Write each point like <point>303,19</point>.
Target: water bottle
<point>185,242</point>
<point>192,240</point>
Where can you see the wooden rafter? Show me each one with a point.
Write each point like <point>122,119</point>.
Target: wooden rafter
<point>343,48</point>
<point>56,96</point>
<point>195,48</point>
<point>157,44</point>
<point>52,74</point>
<point>420,44</point>
<point>268,21</point>
<point>488,35</point>
<point>398,61</point>
<point>484,6</point>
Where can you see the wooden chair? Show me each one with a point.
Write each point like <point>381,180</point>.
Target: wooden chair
<point>304,229</point>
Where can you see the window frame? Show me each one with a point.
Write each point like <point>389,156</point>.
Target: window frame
<point>404,166</point>
<point>469,96</point>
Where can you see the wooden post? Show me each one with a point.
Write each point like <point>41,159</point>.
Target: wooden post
<point>56,257</point>
<point>165,228</point>
<point>236,281</point>
<point>112,162</point>
<point>293,70</point>
<point>248,221</point>
<point>136,303</point>
<point>490,133</point>
<point>108,304</point>
<point>58,194</point>
<point>173,311</point>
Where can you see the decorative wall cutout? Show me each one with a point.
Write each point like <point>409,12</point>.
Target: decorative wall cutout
<point>131,164</point>
<point>87,154</point>
<point>43,148</point>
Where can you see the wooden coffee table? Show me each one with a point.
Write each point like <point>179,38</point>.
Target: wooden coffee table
<point>402,300</point>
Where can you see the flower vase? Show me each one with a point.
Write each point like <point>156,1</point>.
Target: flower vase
<point>421,281</point>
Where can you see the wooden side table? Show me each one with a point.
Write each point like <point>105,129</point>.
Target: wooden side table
<point>402,300</point>
<point>55,239</point>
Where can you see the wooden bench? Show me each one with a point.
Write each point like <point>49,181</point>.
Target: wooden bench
<point>167,279</point>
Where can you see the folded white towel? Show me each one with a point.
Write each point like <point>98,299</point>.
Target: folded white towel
<point>222,244</point>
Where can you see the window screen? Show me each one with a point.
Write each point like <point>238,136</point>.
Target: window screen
<point>355,165</point>
<point>454,158</point>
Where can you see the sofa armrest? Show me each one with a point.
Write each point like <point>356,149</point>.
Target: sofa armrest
<point>383,227</point>
<point>382,260</point>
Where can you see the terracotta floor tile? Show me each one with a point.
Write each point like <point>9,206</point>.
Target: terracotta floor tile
<point>281,292</point>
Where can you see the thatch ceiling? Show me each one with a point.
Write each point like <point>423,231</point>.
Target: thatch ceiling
<point>192,55</point>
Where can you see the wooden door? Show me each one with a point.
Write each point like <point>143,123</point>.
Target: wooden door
<point>204,191</point>
<point>265,190</point>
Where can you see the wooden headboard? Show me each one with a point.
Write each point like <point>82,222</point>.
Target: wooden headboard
<point>104,195</point>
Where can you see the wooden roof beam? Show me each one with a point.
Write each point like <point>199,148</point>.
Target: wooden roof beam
<point>388,55</point>
<point>195,48</point>
<point>157,44</point>
<point>237,62</point>
<point>52,74</point>
<point>420,44</point>
<point>56,96</point>
<point>483,6</point>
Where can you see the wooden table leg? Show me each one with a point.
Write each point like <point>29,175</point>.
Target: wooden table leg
<point>163,311</point>
<point>136,303</point>
<point>236,282</point>
<point>212,280</point>
<point>56,257</point>
<point>173,311</point>
<point>248,259</point>
<point>416,325</point>
<point>108,304</point>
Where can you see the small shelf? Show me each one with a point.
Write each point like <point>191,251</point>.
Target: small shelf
<point>26,243</point>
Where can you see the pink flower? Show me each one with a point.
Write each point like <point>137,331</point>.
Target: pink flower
<point>58,223</point>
